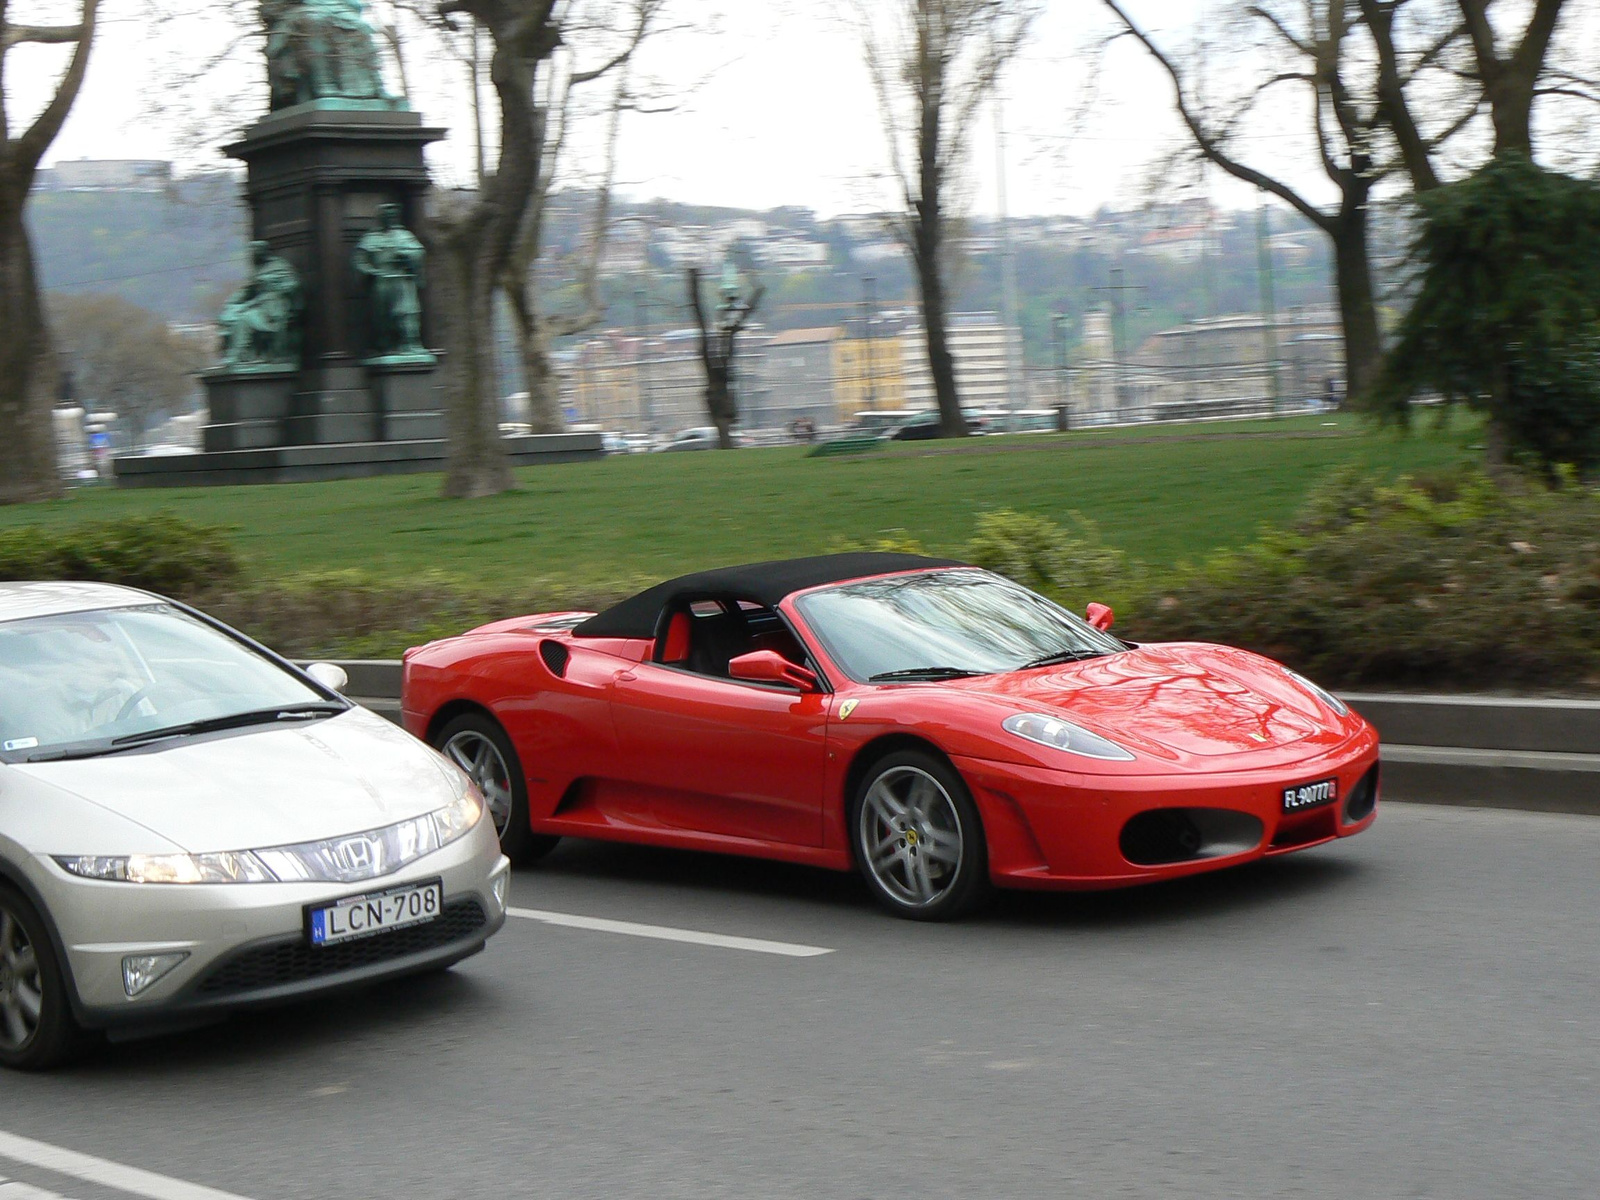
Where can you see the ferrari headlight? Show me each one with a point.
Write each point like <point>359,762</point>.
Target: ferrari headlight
<point>1323,694</point>
<point>359,856</point>
<point>229,867</point>
<point>1064,735</point>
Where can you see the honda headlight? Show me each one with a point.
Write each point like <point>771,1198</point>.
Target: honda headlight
<point>1064,735</point>
<point>1323,694</point>
<point>348,859</point>
<point>169,868</point>
<point>457,819</point>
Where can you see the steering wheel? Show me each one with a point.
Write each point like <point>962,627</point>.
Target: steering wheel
<point>131,703</point>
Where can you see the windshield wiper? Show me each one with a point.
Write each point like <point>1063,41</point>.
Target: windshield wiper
<point>1064,656</point>
<point>257,716</point>
<point>924,673</point>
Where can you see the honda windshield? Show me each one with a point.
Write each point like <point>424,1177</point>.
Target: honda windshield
<point>83,682</point>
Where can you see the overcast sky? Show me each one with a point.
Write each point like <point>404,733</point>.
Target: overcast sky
<point>774,107</point>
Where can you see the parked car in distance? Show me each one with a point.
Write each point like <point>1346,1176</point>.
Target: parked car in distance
<point>884,421</point>
<point>700,437</point>
<point>189,825</point>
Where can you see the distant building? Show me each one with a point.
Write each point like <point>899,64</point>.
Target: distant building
<point>870,370</point>
<point>794,254</point>
<point>983,366</point>
<point>107,175</point>
<point>799,370</point>
<point>1243,358</point>
<point>874,252</point>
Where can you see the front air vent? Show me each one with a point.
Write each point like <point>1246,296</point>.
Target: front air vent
<point>1172,835</point>
<point>555,656</point>
<point>1363,798</point>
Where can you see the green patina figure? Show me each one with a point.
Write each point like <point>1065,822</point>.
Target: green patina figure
<point>391,257</point>
<point>320,50</point>
<point>260,323</point>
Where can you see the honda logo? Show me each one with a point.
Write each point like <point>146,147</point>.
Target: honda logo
<point>356,855</point>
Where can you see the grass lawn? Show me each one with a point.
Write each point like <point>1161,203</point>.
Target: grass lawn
<point>1163,495</point>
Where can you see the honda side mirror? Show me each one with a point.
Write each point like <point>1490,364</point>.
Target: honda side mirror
<point>1100,616</point>
<point>329,675</point>
<point>768,666</point>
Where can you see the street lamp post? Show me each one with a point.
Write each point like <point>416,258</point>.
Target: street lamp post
<point>1058,325</point>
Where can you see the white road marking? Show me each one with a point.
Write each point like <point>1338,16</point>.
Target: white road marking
<point>665,933</point>
<point>104,1172</point>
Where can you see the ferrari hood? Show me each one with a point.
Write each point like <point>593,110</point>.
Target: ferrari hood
<point>1187,698</point>
<point>259,787</point>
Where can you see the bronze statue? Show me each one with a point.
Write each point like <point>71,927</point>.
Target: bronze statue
<point>260,323</point>
<point>391,257</point>
<point>320,50</point>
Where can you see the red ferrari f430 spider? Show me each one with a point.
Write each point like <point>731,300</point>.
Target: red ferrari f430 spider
<point>935,726</point>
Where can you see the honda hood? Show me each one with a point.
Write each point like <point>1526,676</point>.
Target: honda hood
<point>269,786</point>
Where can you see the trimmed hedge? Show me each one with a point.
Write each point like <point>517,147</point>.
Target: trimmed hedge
<point>1450,581</point>
<point>161,553</point>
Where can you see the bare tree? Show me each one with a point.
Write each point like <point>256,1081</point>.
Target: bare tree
<point>125,358</point>
<point>478,236</point>
<point>1511,79</point>
<point>28,372</point>
<point>717,342</point>
<point>535,329</point>
<point>1311,44</point>
<point>933,64</point>
<point>1398,71</point>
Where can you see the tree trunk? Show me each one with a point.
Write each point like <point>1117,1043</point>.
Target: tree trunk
<point>1363,345</point>
<point>539,377</point>
<point>533,348</point>
<point>723,422</point>
<point>464,291</point>
<point>478,246</point>
<point>28,371</point>
<point>941,365</point>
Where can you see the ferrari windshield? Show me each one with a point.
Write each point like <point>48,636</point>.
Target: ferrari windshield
<point>943,625</point>
<point>109,677</point>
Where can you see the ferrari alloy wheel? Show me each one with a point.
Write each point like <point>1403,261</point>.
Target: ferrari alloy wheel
<point>918,839</point>
<point>476,743</point>
<point>36,1025</point>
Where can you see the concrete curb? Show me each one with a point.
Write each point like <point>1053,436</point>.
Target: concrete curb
<point>1527,753</point>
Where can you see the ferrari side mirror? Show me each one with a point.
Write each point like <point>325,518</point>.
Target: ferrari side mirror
<point>768,666</point>
<point>1099,615</point>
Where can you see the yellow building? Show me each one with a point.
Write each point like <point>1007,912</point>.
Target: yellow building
<point>868,375</point>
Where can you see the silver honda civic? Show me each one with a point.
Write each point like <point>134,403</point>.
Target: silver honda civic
<point>190,824</point>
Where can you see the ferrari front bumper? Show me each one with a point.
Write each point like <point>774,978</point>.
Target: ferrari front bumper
<point>1053,829</point>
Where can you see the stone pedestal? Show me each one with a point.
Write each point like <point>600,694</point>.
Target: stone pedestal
<point>410,400</point>
<point>317,176</point>
<point>248,409</point>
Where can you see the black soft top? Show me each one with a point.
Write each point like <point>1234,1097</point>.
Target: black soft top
<point>766,583</point>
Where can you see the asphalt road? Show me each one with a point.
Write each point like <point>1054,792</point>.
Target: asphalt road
<point>1415,1012</point>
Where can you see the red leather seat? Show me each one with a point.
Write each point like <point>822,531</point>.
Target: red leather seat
<point>676,647</point>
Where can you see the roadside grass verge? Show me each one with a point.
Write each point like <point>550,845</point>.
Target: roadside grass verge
<point>1161,496</point>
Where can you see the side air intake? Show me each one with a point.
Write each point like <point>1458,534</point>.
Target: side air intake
<point>555,656</point>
